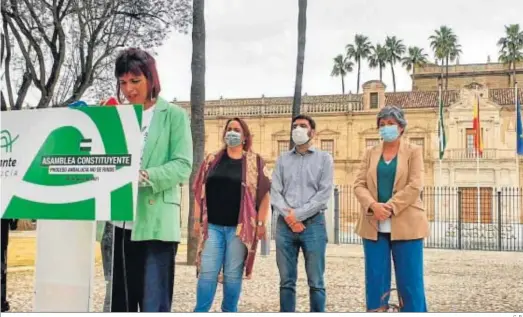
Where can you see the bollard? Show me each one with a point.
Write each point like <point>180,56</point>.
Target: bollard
<point>266,243</point>
<point>265,247</point>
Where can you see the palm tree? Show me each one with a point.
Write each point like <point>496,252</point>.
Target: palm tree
<point>342,66</point>
<point>511,48</point>
<point>197,113</point>
<point>416,58</point>
<point>302,28</point>
<point>378,58</point>
<point>446,48</point>
<point>395,49</point>
<point>358,51</point>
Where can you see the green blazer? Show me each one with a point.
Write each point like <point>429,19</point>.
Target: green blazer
<point>167,158</point>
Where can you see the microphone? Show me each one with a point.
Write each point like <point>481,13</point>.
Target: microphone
<point>77,104</point>
<point>110,102</point>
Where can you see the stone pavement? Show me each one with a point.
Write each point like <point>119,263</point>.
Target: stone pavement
<point>456,281</point>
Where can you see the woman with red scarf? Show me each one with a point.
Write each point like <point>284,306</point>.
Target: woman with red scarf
<point>231,208</point>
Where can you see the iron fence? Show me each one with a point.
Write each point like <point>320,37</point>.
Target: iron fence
<point>470,218</point>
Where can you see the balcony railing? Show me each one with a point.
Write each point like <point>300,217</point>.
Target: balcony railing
<point>283,109</point>
<point>470,154</point>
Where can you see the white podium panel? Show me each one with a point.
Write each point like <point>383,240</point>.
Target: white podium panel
<point>64,266</point>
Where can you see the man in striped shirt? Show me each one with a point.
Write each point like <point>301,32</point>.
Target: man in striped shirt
<point>302,184</point>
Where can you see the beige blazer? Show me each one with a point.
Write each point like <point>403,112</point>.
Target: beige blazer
<point>409,220</point>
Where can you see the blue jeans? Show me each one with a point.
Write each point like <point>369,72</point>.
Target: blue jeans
<point>313,242</point>
<point>159,275</point>
<point>148,281</point>
<point>408,264</point>
<point>222,249</point>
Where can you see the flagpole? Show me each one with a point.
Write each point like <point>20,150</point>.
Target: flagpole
<point>517,136</point>
<point>478,148</point>
<point>440,173</point>
<point>477,182</point>
<point>517,104</point>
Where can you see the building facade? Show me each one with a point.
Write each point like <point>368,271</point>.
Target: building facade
<point>346,126</point>
<point>490,75</point>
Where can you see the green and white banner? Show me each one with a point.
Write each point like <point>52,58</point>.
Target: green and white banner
<point>70,163</point>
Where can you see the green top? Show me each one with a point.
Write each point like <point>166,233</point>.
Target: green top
<point>386,176</point>
<point>167,158</point>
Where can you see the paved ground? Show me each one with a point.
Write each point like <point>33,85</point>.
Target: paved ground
<point>456,281</point>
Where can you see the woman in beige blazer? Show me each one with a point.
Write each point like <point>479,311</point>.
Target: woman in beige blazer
<point>392,221</point>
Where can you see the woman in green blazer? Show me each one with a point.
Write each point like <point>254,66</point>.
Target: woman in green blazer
<point>146,248</point>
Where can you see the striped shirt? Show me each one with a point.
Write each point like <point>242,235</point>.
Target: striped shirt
<point>302,182</point>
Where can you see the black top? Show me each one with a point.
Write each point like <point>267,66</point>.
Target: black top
<point>223,192</point>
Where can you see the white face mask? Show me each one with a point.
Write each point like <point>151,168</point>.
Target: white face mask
<point>300,135</point>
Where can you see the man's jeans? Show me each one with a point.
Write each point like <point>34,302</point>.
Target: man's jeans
<point>313,242</point>
<point>222,249</point>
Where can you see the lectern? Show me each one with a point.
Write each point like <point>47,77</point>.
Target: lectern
<point>68,168</point>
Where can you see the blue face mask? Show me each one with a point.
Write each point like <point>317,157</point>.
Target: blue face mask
<point>389,133</point>
<point>233,138</point>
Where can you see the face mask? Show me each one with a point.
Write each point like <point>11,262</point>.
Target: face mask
<point>389,133</point>
<point>300,136</point>
<point>233,138</point>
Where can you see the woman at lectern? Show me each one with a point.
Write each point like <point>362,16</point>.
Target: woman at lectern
<point>392,221</point>
<point>145,250</point>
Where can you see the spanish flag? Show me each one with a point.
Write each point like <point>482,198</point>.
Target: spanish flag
<point>478,142</point>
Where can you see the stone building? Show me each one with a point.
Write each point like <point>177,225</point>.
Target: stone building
<point>346,125</point>
<point>490,75</point>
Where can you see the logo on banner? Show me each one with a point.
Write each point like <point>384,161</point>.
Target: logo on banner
<point>72,163</point>
<point>7,141</point>
<point>8,163</point>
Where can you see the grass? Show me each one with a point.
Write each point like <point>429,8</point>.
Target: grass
<point>22,251</point>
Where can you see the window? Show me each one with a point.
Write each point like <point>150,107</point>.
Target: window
<point>371,142</point>
<point>374,100</point>
<point>469,142</point>
<point>328,146</point>
<point>469,204</point>
<point>420,142</point>
<point>283,146</point>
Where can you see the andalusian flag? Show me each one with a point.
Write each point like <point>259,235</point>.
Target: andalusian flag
<point>441,131</point>
<point>478,142</point>
<point>519,128</point>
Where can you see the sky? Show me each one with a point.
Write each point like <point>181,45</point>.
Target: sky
<point>251,44</point>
